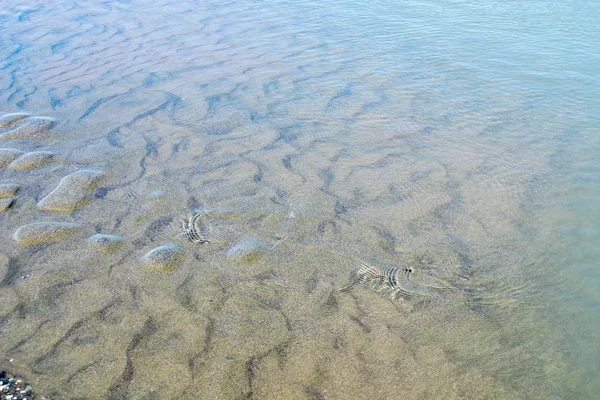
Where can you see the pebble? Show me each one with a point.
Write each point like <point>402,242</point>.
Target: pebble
<point>165,258</point>
<point>8,119</point>
<point>31,160</point>
<point>5,204</point>
<point>74,191</point>
<point>45,232</point>
<point>7,155</point>
<point>16,389</point>
<point>248,249</point>
<point>106,243</point>
<point>31,128</point>
<point>9,190</point>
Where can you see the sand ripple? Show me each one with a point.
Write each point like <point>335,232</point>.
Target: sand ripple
<point>45,232</point>
<point>74,191</point>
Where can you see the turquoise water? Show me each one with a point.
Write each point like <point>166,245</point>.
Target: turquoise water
<point>454,133</point>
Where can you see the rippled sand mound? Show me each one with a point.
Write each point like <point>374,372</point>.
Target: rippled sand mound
<point>28,128</point>
<point>74,191</point>
<point>44,232</point>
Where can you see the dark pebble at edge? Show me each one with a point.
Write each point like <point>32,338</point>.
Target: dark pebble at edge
<point>11,385</point>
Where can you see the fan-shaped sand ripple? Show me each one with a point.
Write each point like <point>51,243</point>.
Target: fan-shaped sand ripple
<point>248,249</point>
<point>7,155</point>
<point>165,258</point>
<point>7,120</point>
<point>5,204</point>
<point>4,263</point>
<point>106,243</point>
<point>74,191</point>
<point>34,159</point>
<point>9,190</point>
<point>31,128</point>
<point>45,232</point>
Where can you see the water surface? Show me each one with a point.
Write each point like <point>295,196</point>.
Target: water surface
<point>316,137</point>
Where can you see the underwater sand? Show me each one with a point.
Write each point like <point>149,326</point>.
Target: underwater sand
<point>308,157</point>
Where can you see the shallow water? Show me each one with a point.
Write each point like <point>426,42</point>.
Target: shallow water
<point>457,138</point>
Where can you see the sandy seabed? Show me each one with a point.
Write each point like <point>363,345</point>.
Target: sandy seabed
<point>306,167</point>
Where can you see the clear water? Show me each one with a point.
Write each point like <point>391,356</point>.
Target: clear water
<point>450,133</point>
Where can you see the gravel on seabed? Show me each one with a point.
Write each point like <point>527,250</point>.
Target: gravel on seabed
<point>13,388</point>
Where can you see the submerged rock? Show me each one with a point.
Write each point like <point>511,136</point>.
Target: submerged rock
<point>9,190</point>
<point>8,119</point>
<point>31,128</point>
<point>5,204</point>
<point>248,249</point>
<point>31,160</point>
<point>106,243</point>
<point>7,155</point>
<point>74,191</point>
<point>165,258</point>
<point>45,232</point>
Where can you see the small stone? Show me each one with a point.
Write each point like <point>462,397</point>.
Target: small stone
<point>8,119</point>
<point>9,190</point>
<point>31,128</point>
<point>74,191</point>
<point>5,204</point>
<point>106,243</point>
<point>165,258</point>
<point>45,232</point>
<point>7,155</point>
<point>248,249</point>
<point>31,160</point>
